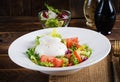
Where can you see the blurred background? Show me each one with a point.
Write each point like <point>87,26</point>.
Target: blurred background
<point>32,7</point>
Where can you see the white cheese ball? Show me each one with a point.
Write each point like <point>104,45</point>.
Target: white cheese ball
<point>50,46</point>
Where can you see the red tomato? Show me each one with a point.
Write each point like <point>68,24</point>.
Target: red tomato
<point>77,45</point>
<point>71,41</point>
<point>51,59</point>
<point>78,56</point>
<point>57,62</point>
<point>44,58</point>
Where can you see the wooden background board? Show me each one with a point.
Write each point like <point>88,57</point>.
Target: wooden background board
<point>32,7</point>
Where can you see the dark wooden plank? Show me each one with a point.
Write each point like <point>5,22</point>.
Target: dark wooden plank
<point>115,35</point>
<point>15,75</point>
<point>116,69</point>
<point>16,7</point>
<point>27,7</point>
<point>7,63</point>
<point>18,19</point>
<point>10,27</point>
<point>4,7</point>
<point>6,38</point>
<point>59,4</point>
<point>76,7</point>
<point>36,6</point>
<point>78,23</point>
<point>20,8</point>
<point>31,7</point>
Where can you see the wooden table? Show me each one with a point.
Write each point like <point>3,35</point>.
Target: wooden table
<point>14,27</point>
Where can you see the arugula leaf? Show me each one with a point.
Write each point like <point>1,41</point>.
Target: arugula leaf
<point>73,48</point>
<point>32,55</point>
<point>52,9</point>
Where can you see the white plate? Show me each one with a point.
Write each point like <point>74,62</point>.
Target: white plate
<point>99,43</point>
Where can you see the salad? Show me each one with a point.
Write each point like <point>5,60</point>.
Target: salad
<point>53,17</point>
<point>51,50</point>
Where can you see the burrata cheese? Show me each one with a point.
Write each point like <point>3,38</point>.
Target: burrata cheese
<point>51,46</point>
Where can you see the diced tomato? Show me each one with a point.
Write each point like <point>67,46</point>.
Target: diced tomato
<point>50,59</point>
<point>57,62</point>
<point>71,41</point>
<point>77,45</point>
<point>78,56</point>
<point>44,58</point>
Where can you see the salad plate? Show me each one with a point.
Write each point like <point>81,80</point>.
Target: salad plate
<point>99,44</point>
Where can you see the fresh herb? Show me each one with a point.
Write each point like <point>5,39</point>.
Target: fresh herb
<point>88,52</point>
<point>74,60</point>
<point>46,64</point>
<point>53,23</point>
<point>59,56</point>
<point>73,48</point>
<point>32,55</point>
<point>37,42</point>
<point>63,41</point>
<point>84,50</point>
<point>52,8</point>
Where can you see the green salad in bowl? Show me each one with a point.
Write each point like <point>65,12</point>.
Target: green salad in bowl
<point>53,17</point>
<point>52,50</point>
<point>59,51</point>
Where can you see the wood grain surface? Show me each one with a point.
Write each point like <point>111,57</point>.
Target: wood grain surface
<point>32,7</point>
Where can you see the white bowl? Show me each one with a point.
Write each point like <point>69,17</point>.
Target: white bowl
<point>99,43</point>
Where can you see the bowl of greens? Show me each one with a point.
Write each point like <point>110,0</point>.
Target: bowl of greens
<point>52,17</point>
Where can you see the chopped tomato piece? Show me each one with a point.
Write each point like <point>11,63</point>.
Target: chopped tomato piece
<point>77,45</point>
<point>57,62</point>
<point>44,58</point>
<point>78,56</point>
<point>51,59</point>
<point>71,41</point>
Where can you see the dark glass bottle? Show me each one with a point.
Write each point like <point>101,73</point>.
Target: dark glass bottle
<point>105,16</point>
